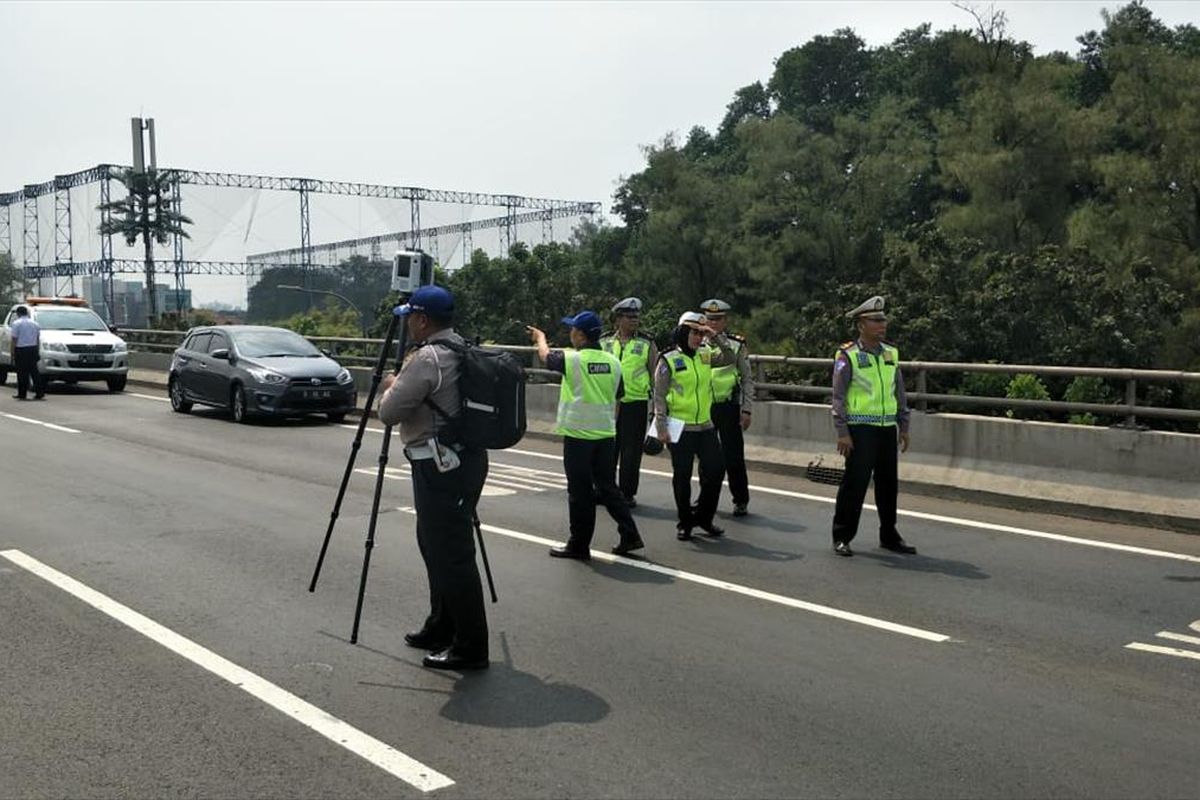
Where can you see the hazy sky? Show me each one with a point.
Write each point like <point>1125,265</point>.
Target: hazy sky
<point>545,99</point>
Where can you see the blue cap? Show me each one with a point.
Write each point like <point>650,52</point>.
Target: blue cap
<point>587,321</point>
<point>430,299</point>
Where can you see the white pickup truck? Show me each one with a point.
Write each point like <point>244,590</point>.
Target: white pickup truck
<point>76,345</point>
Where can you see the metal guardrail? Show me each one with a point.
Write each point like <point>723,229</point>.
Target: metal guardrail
<point>343,348</point>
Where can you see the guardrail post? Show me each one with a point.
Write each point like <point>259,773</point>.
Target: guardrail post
<point>1131,401</point>
<point>922,388</point>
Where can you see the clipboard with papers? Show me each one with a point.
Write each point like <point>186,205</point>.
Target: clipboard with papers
<point>674,429</point>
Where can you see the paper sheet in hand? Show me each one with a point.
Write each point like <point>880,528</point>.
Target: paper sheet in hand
<point>674,429</point>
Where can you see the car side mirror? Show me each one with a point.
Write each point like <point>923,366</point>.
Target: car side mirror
<point>222,354</point>
<point>326,353</point>
<point>114,329</point>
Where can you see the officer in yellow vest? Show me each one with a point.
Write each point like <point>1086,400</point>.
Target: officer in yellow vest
<point>733,395</point>
<point>683,398</point>
<point>587,421</point>
<point>870,412</point>
<point>637,355</point>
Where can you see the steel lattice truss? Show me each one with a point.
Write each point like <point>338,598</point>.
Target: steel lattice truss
<point>375,244</point>
<point>518,209</point>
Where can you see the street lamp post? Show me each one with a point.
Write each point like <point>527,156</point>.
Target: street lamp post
<point>362,322</point>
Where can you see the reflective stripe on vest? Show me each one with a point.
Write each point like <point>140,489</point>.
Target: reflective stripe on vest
<point>725,378</point>
<point>588,394</point>
<point>871,396</point>
<point>634,369</point>
<point>691,394</point>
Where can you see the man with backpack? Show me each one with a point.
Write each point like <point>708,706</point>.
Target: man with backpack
<point>587,421</point>
<point>425,400</point>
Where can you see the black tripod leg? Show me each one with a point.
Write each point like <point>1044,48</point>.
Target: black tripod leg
<point>369,545</point>
<point>487,568</point>
<point>376,377</point>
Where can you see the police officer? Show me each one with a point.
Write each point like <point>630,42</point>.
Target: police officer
<point>447,481</point>
<point>637,355</point>
<point>733,395</point>
<point>870,412</point>
<point>591,385</point>
<point>683,397</point>
<point>26,349</point>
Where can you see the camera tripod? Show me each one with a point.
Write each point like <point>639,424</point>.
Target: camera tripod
<point>355,446</point>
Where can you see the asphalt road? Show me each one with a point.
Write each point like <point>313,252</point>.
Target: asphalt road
<point>993,664</point>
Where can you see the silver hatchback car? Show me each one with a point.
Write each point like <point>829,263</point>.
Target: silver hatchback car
<point>252,369</point>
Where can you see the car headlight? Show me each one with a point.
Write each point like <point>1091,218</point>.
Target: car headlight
<point>266,376</point>
<point>54,347</point>
<point>120,347</point>
<point>344,377</point>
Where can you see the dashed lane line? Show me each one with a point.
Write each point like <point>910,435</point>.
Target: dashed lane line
<point>335,730</point>
<point>735,588</point>
<point>50,425</point>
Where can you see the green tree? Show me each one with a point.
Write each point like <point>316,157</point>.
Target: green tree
<point>146,212</point>
<point>13,285</point>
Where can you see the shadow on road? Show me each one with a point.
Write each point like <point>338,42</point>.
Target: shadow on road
<point>735,548</point>
<point>921,563</point>
<point>1182,578</point>
<point>759,521</point>
<point>505,697</point>
<point>628,574</point>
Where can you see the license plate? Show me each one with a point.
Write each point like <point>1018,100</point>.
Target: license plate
<point>92,359</point>
<point>317,394</point>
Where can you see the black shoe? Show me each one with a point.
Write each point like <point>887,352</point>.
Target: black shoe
<point>683,534</point>
<point>570,552</point>
<point>629,501</point>
<point>899,546</point>
<point>629,546</point>
<point>712,530</point>
<point>842,549</point>
<point>39,397</point>
<point>450,659</point>
<point>423,640</point>
<point>740,509</point>
<point>19,397</point>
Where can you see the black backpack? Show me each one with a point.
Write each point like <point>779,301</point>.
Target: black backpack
<point>491,385</point>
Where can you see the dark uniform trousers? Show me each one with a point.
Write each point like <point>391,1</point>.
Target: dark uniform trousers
<point>25,361</point>
<point>875,453</point>
<point>705,447</point>
<point>727,417</point>
<point>590,465</point>
<point>445,504</point>
<point>631,434</point>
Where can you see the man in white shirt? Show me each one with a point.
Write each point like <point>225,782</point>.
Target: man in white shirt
<point>26,344</point>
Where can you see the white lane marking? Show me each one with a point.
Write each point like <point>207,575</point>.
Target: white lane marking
<point>341,733</point>
<point>400,474</point>
<point>1178,637</point>
<point>966,523</point>
<point>704,580</point>
<point>149,397</point>
<point>1166,651</point>
<point>49,425</point>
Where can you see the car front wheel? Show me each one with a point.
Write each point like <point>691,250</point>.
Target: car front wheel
<point>237,403</point>
<point>116,384</point>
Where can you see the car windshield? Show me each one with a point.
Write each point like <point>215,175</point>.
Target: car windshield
<point>70,320</point>
<point>264,344</point>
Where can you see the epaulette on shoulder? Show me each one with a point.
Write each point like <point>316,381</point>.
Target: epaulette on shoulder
<point>640,335</point>
<point>847,345</point>
<point>736,337</point>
